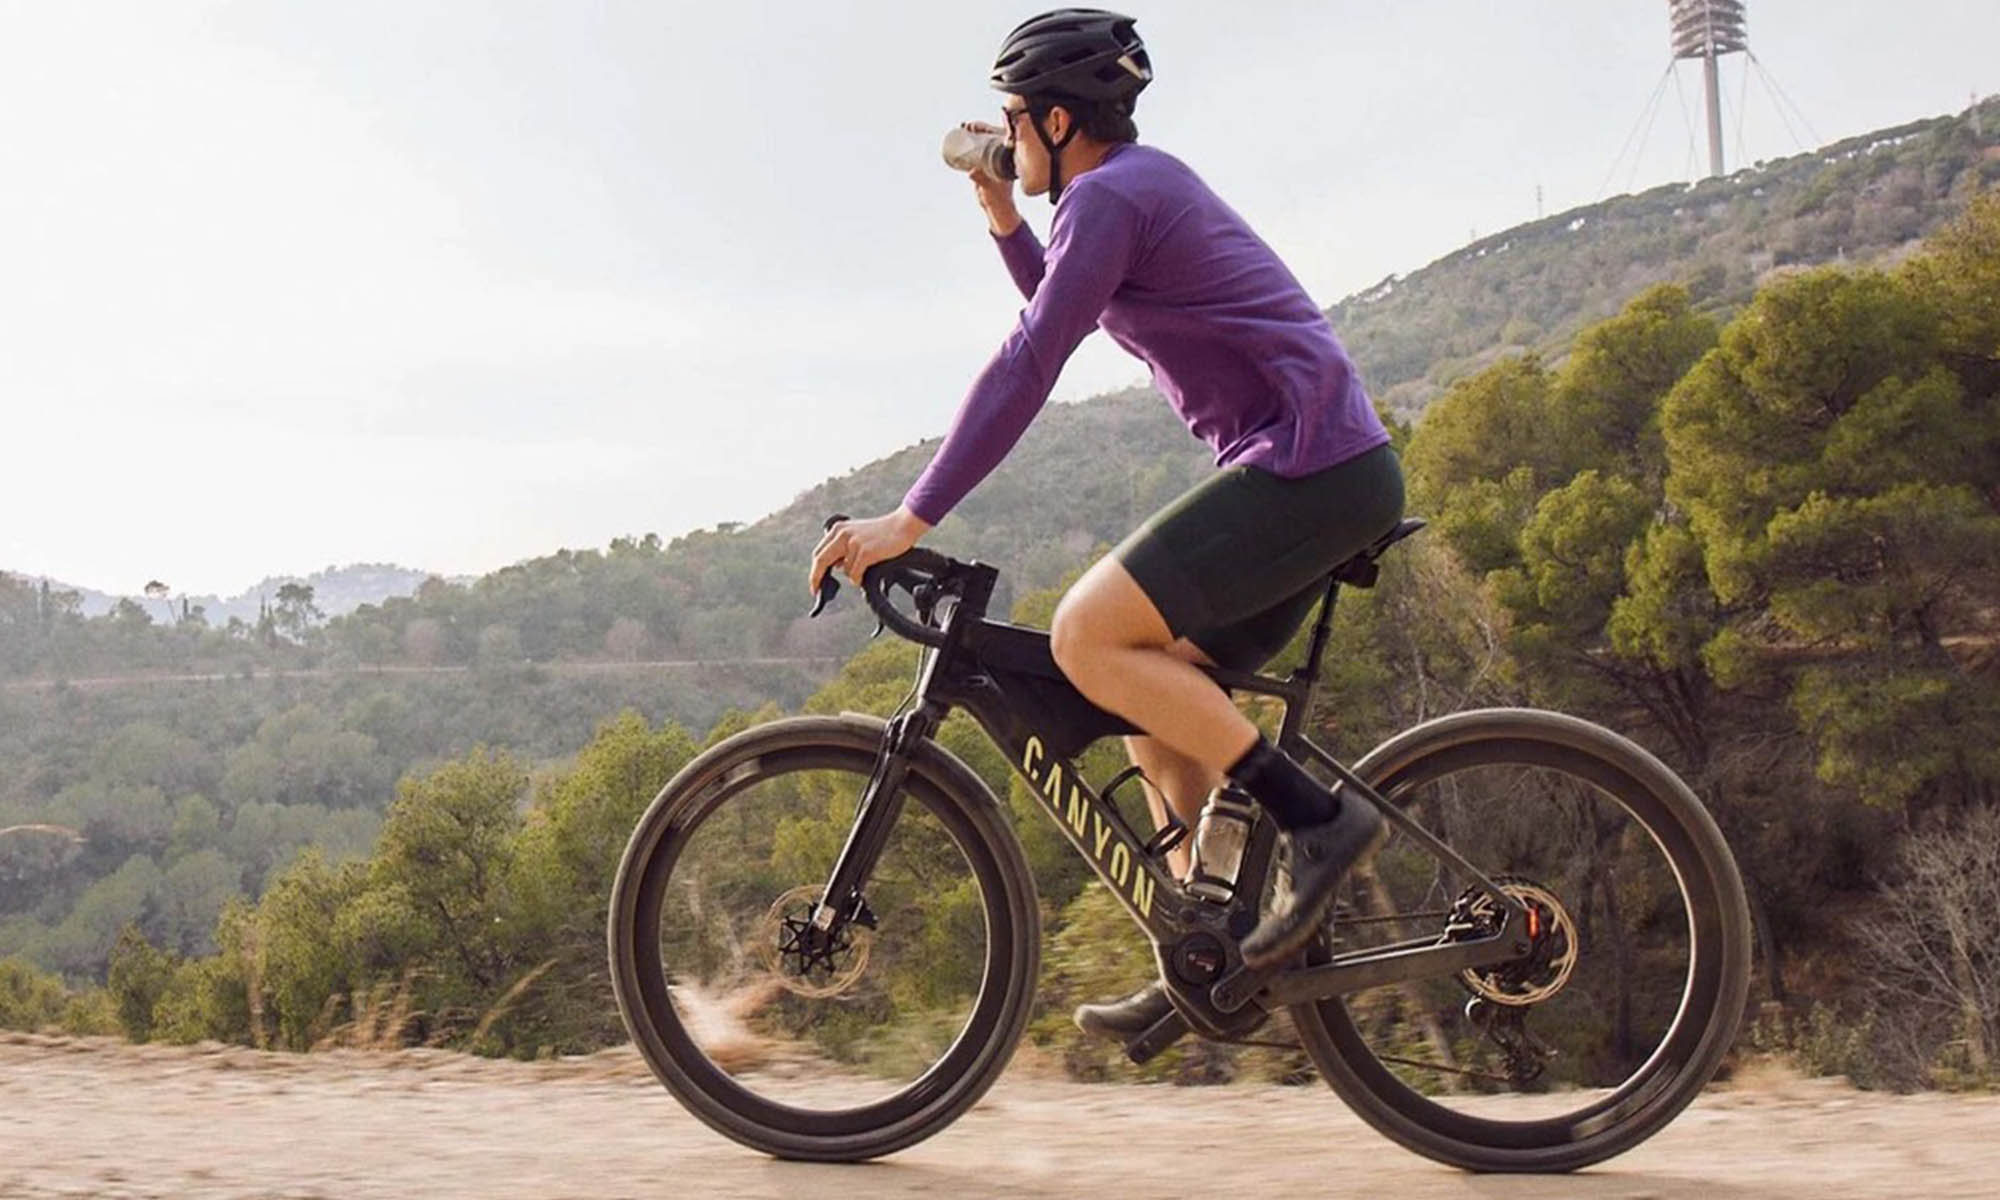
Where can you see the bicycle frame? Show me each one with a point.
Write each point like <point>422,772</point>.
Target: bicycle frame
<point>982,666</point>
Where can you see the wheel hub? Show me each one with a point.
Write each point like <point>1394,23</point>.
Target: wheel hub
<point>803,958</point>
<point>1540,973</point>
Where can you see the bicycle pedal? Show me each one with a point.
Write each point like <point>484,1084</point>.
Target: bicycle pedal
<point>1163,1033</point>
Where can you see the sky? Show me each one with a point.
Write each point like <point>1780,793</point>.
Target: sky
<point>454,283</point>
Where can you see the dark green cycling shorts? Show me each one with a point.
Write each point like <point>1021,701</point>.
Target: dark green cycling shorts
<point>1236,562</point>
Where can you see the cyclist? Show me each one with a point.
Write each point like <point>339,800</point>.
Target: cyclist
<point>1225,574</point>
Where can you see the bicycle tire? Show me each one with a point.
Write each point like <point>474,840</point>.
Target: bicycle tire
<point>1717,980</point>
<point>962,805</point>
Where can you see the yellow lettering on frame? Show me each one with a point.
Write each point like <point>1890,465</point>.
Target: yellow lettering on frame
<point>1121,864</point>
<point>1031,754</point>
<point>1103,834</point>
<point>1142,893</point>
<point>1077,811</point>
<point>1052,787</point>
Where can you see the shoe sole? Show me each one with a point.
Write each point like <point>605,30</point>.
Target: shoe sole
<point>1097,1027</point>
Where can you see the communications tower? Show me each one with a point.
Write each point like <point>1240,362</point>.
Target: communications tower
<point>1707,30</point>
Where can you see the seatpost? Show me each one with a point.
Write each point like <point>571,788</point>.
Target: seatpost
<point>1311,670</point>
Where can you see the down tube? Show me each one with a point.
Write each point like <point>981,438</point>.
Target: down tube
<point>1106,840</point>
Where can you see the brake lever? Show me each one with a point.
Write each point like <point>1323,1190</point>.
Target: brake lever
<point>829,585</point>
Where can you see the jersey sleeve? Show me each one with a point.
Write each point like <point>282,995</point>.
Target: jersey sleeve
<point>1091,249</point>
<point>1021,251</point>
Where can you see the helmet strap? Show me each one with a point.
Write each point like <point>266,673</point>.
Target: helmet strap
<point>1055,151</point>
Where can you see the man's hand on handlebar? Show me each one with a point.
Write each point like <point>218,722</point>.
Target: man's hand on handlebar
<point>855,546</point>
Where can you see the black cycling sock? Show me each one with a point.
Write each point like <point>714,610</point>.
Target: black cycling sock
<point>1292,797</point>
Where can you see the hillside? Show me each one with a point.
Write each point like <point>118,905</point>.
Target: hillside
<point>337,591</point>
<point>1085,474</point>
<point>1535,286</point>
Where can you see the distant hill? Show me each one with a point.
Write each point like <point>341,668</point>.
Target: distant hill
<point>337,591</point>
<point>1083,475</point>
<point>1534,286</point>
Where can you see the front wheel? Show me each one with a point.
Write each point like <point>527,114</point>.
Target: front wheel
<point>791,1044</point>
<point>1639,964</point>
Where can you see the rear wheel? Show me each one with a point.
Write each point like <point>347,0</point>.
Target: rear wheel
<point>795,1044</point>
<point>1633,988</point>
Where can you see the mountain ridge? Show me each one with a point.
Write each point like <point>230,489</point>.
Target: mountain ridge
<point>1532,287</point>
<point>337,591</point>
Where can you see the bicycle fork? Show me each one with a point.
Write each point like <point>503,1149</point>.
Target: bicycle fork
<point>874,819</point>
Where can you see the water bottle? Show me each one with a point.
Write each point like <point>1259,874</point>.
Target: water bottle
<point>965,150</point>
<point>1219,838</point>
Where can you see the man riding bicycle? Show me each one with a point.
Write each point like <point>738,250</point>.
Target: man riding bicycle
<point>1226,573</point>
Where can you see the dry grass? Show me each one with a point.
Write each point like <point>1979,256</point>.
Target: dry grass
<point>1761,1073</point>
<point>382,1015</point>
<point>506,1001</point>
<point>253,982</point>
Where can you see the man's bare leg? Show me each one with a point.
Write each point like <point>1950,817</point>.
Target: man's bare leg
<point>1116,648</point>
<point>1178,783</point>
<point>1114,645</point>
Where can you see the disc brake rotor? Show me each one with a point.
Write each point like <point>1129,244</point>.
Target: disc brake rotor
<point>1552,944</point>
<point>798,956</point>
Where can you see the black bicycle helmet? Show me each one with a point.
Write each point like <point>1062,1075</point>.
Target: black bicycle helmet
<point>1083,53</point>
<point>1077,54</point>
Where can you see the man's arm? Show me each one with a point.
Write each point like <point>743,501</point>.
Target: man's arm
<point>1090,252</point>
<point>1022,252</point>
<point>1019,248</point>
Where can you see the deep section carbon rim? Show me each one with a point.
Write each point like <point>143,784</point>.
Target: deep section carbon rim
<point>798,1043</point>
<point>1607,1027</point>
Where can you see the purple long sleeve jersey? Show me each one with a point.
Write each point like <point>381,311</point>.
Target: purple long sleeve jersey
<point>1142,247</point>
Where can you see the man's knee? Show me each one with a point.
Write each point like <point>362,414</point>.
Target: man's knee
<point>1104,609</point>
<point>1071,633</point>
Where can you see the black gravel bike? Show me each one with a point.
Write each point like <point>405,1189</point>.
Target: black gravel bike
<point>824,936</point>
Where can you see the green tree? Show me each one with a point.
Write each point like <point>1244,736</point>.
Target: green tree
<point>1605,413</point>
<point>1574,537</point>
<point>30,1000</point>
<point>1482,455</point>
<point>131,617</point>
<point>1832,466</point>
<point>1960,271</point>
<point>302,755</point>
<point>155,590</point>
<point>295,612</point>
<point>191,897</point>
<point>139,975</point>
<point>560,876</point>
<point>446,845</point>
<point>299,958</point>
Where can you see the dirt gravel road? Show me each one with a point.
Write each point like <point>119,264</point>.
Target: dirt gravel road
<point>97,1118</point>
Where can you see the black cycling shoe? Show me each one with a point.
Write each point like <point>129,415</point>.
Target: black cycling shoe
<point>1128,1018</point>
<point>1321,855</point>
